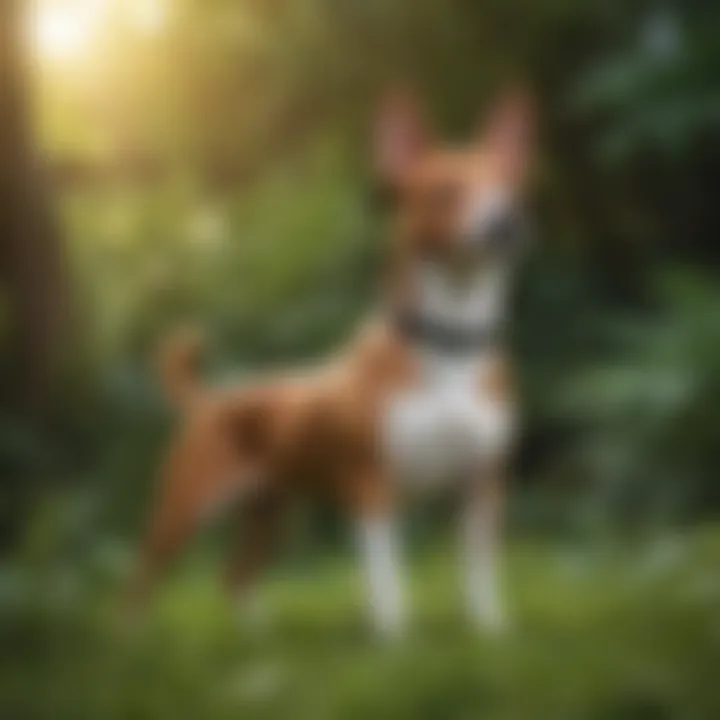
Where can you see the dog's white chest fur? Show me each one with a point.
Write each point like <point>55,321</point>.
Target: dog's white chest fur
<point>445,427</point>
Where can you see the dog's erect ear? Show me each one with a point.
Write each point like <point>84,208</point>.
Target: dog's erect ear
<point>508,132</point>
<point>400,136</point>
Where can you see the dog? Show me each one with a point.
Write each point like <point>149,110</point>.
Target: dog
<point>422,397</point>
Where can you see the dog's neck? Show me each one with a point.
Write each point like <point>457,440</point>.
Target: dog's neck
<point>467,299</point>
<point>454,311</point>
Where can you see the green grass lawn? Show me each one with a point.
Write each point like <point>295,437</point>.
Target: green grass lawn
<point>613,632</point>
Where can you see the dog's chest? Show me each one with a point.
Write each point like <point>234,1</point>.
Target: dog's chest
<point>447,425</point>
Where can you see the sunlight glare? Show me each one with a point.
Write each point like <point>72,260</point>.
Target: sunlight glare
<point>65,30</point>
<point>148,16</point>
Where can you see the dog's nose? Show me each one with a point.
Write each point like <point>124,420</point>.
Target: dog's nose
<point>503,227</point>
<point>504,233</point>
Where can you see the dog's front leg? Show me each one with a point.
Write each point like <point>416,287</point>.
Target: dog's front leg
<point>379,546</point>
<point>480,533</point>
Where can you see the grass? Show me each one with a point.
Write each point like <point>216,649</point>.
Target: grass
<point>610,632</point>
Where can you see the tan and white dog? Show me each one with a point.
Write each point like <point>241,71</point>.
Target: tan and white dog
<point>422,397</point>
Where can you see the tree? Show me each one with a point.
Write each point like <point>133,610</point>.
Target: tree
<point>32,275</point>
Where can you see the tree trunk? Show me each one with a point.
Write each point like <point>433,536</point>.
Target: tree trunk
<point>32,278</point>
<point>33,307</point>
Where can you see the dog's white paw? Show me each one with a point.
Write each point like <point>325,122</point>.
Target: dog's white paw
<point>389,631</point>
<point>490,617</point>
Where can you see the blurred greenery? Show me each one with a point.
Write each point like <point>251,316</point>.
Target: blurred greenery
<point>600,631</point>
<point>211,160</point>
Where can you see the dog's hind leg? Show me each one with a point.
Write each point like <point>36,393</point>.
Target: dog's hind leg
<point>259,538</point>
<point>204,473</point>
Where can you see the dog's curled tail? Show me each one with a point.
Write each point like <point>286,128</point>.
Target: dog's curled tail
<point>179,362</point>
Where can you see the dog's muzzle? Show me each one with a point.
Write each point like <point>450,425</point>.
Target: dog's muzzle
<point>505,235</point>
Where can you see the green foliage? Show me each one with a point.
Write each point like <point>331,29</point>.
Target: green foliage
<point>661,89</point>
<point>257,264</point>
<point>649,417</point>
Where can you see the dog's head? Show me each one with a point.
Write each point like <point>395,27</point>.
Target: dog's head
<point>457,204</point>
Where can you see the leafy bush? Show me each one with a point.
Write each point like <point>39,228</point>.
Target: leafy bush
<point>649,417</point>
